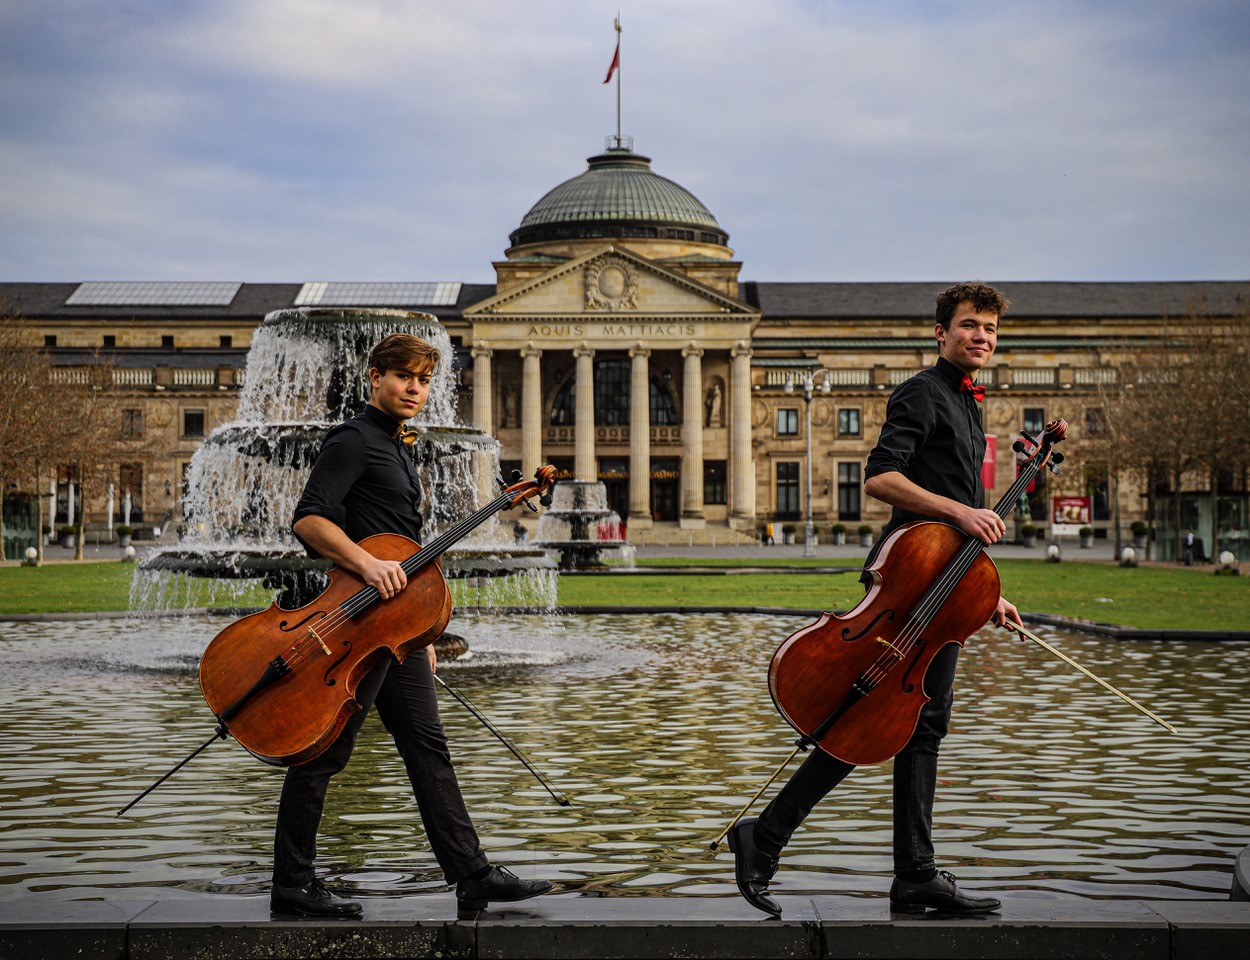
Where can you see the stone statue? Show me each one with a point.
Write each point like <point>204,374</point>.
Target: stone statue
<point>509,405</point>
<point>713,406</point>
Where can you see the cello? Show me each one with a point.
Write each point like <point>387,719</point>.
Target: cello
<point>853,684</point>
<point>283,682</point>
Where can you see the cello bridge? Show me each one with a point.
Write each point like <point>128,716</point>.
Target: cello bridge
<point>324,649</point>
<point>898,654</point>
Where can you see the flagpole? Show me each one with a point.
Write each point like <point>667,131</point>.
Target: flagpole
<point>617,23</point>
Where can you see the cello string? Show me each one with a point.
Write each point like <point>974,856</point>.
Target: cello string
<point>940,591</point>
<point>362,599</point>
<point>951,576</point>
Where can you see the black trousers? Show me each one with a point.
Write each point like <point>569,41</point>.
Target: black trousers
<point>915,780</point>
<point>405,698</point>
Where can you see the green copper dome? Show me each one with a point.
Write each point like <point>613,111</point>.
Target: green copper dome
<point>619,196</point>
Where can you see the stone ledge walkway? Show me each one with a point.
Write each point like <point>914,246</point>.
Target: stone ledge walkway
<point>568,926</point>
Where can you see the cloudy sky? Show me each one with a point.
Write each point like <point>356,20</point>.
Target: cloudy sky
<point>297,140</point>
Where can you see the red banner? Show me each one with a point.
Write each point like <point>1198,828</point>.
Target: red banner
<point>989,464</point>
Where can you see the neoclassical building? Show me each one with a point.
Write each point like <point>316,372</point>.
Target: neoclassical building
<point>620,343</point>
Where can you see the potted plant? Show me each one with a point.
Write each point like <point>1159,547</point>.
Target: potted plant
<point>47,533</point>
<point>865,535</point>
<point>1087,536</point>
<point>1028,534</point>
<point>68,534</point>
<point>1139,529</point>
<point>124,532</point>
<point>839,534</point>
<point>787,532</point>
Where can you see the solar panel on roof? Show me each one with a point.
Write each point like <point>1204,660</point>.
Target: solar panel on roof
<point>160,293</point>
<point>378,294</point>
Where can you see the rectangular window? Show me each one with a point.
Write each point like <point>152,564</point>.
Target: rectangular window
<point>225,340</point>
<point>788,422</point>
<point>714,485</point>
<point>193,423</point>
<point>848,422</point>
<point>110,341</point>
<point>1099,488</point>
<point>167,341</point>
<point>510,471</point>
<point>848,491</point>
<point>130,481</point>
<point>1034,420</point>
<point>787,490</point>
<point>49,339</point>
<point>1095,423</point>
<point>132,423</point>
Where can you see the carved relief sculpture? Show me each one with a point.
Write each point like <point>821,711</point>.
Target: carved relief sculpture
<point>611,284</point>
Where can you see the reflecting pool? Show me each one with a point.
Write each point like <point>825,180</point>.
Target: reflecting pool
<point>658,728</point>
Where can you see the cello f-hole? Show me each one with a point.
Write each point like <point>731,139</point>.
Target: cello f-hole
<point>286,626</point>
<point>328,680</point>
<point>905,683</point>
<point>888,614</point>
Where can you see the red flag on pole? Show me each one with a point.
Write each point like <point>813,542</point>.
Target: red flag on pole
<point>616,62</point>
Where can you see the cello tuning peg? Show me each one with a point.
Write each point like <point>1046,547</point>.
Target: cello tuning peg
<point>545,499</point>
<point>516,476</point>
<point>1056,458</point>
<point>532,508</point>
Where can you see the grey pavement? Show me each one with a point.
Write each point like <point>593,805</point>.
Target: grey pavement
<point>568,926</point>
<point>847,554</point>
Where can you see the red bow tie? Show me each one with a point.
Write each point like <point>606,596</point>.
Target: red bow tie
<point>967,386</point>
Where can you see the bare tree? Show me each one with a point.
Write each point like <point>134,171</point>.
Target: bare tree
<point>97,444</point>
<point>1216,394</point>
<point>25,388</point>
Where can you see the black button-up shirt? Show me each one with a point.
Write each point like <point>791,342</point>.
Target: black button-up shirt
<point>932,436</point>
<point>364,480</point>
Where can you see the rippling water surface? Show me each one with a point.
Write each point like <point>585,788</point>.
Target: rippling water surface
<point>658,728</point>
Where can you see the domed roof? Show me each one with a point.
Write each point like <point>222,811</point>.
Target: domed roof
<point>618,192</point>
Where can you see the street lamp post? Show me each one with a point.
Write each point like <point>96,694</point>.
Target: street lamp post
<point>807,380</point>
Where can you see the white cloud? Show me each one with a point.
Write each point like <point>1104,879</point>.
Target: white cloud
<point>381,139</point>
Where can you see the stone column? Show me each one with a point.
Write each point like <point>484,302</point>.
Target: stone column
<point>640,438</point>
<point>741,454</point>
<point>584,466</point>
<point>483,400</point>
<point>692,438</point>
<point>483,388</point>
<point>531,410</point>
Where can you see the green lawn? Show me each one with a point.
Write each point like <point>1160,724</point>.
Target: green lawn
<point>1148,597</point>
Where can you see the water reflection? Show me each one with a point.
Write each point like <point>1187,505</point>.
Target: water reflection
<point>658,728</point>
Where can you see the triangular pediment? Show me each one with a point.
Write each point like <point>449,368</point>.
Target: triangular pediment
<point>607,282</point>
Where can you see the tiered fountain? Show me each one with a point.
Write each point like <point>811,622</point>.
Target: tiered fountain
<point>582,529</point>
<point>307,370</point>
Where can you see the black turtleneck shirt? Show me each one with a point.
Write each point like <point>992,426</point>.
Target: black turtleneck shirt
<point>932,436</point>
<point>364,480</point>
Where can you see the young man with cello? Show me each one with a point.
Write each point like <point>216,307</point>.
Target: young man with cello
<point>363,482</point>
<point>927,466</point>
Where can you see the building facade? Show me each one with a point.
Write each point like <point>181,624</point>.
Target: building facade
<point>619,343</point>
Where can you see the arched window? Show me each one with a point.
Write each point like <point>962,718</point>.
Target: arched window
<point>612,386</point>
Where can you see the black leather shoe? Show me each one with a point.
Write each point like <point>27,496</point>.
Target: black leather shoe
<point>311,900</point>
<point>752,869</point>
<point>940,893</point>
<point>500,885</point>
